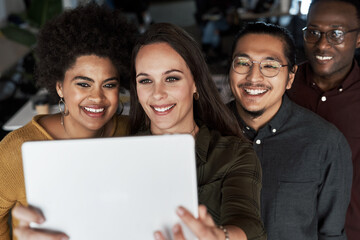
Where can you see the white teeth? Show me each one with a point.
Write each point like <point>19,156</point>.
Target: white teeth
<point>323,58</point>
<point>163,109</point>
<point>255,91</point>
<point>94,110</point>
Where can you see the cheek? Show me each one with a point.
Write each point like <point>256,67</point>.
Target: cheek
<point>114,97</point>
<point>279,87</point>
<point>233,83</point>
<point>348,53</point>
<point>142,96</point>
<point>308,45</point>
<point>308,49</point>
<point>73,98</point>
<point>183,94</point>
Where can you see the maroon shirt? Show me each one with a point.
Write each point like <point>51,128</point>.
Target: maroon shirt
<point>340,106</point>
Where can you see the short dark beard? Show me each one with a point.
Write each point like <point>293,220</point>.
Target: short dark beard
<point>253,114</point>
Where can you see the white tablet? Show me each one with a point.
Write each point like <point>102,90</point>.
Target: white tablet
<point>112,188</point>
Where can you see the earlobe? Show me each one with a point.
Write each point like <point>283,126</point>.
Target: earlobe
<point>358,41</point>
<point>59,89</point>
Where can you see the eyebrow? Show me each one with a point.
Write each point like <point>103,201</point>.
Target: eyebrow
<point>165,73</point>
<point>332,26</point>
<point>267,58</point>
<point>92,80</point>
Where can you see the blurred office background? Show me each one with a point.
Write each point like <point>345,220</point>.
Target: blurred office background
<point>21,19</point>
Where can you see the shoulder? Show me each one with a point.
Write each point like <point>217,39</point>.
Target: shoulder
<point>231,142</point>
<point>10,152</point>
<point>217,140</point>
<point>29,132</point>
<point>230,150</point>
<point>313,125</point>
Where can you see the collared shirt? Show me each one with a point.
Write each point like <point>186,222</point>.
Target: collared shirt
<point>340,106</point>
<point>229,181</point>
<point>307,174</point>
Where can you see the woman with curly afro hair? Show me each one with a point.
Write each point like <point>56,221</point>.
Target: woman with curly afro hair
<point>82,57</point>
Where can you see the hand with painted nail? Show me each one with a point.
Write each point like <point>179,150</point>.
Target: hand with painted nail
<point>203,227</point>
<point>26,215</point>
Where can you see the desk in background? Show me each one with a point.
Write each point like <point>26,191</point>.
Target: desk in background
<point>23,116</point>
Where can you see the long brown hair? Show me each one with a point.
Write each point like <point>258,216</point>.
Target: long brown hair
<point>209,108</point>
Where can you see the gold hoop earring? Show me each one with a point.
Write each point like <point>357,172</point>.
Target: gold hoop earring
<point>120,107</point>
<point>64,111</point>
<point>196,96</point>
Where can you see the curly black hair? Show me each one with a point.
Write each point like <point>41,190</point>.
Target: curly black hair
<point>86,30</point>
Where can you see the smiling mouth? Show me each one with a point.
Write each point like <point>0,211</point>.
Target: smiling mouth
<point>255,92</point>
<point>94,110</point>
<point>163,109</point>
<point>323,58</point>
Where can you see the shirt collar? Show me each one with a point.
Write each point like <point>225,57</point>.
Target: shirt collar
<point>270,128</point>
<point>280,117</point>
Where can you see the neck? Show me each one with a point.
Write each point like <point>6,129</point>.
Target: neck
<point>327,84</point>
<point>256,122</point>
<point>331,81</point>
<point>193,130</point>
<point>69,133</point>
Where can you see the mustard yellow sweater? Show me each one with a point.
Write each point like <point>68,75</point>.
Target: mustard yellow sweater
<point>12,188</point>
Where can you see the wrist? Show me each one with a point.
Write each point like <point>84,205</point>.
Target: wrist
<point>225,232</point>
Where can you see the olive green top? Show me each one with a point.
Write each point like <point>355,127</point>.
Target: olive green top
<point>229,181</point>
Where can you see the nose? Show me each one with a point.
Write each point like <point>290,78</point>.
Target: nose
<point>254,75</point>
<point>159,91</point>
<point>323,43</point>
<point>96,95</point>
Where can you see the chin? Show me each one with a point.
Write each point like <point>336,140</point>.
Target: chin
<point>254,113</point>
<point>323,72</point>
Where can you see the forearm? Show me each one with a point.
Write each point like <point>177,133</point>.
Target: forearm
<point>240,206</point>
<point>4,233</point>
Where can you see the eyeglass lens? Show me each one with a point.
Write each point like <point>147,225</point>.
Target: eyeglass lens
<point>334,36</point>
<point>269,68</point>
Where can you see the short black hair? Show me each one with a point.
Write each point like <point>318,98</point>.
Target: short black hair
<point>273,30</point>
<point>355,3</point>
<point>86,30</point>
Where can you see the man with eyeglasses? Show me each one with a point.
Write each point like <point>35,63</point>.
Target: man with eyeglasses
<point>306,161</point>
<point>329,82</point>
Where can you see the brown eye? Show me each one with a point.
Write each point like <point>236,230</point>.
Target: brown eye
<point>336,34</point>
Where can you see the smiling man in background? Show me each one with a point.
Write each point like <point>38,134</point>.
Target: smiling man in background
<point>329,82</point>
<point>306,161</point>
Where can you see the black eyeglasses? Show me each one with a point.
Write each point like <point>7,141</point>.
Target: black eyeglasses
<point>334,37</point>
<point>268,67</point>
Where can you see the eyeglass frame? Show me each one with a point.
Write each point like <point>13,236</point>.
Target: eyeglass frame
<point>252,64</point>
<point>326,35</point>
